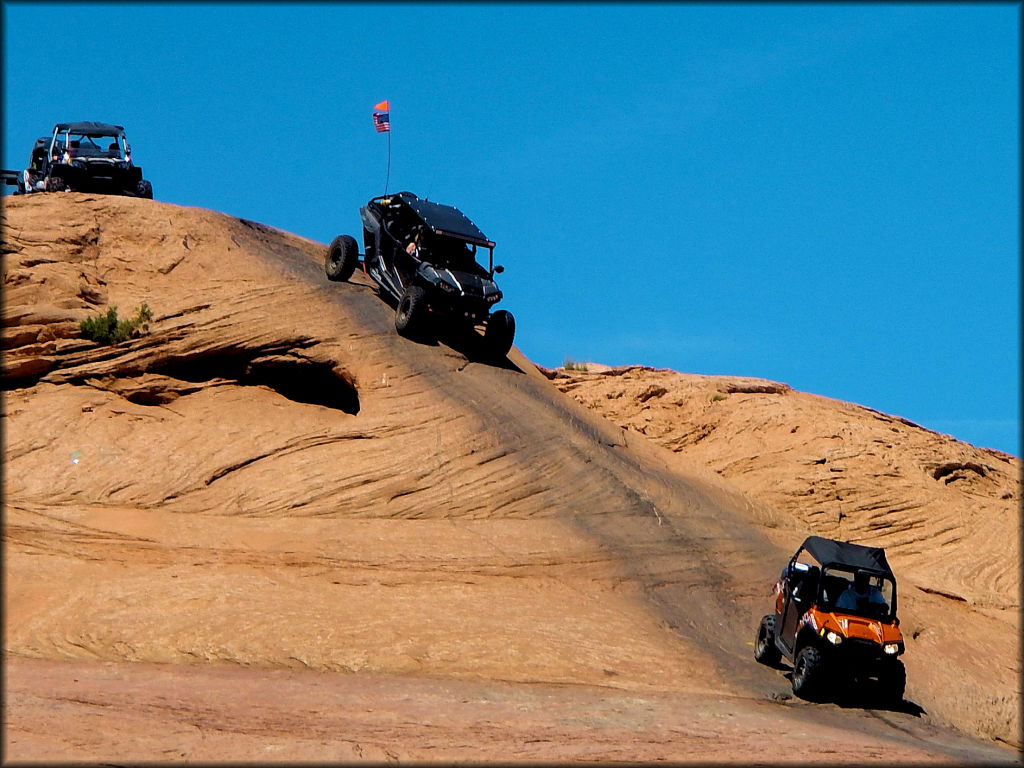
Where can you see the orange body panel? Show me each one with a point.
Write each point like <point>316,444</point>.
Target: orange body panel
<point>852,626</point>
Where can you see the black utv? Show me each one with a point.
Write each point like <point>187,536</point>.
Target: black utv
<point>835,620</point>
<point>422,254</point>
<point>84,157</point>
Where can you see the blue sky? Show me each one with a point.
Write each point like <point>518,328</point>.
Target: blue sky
<point>824,194</point>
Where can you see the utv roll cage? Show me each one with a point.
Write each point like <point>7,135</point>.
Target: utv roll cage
<point>829,555</point>
<point>92,130</point>
<point>405,216</point>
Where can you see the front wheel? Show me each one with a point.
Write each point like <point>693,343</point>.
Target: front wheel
<point>411,315</point>
<point>765,650</point>
<point>54,184</point>
<point>808,674</point>
<point>893,682</point>
<point>498,335</point>
<point>342,256</point>
<point>144,189</point>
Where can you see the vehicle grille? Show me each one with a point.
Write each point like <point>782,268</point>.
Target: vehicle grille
<point>856,647</point>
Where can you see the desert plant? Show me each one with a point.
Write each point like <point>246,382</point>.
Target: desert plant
<point>572,365</point>
<point>718,397</point>
<point>107,329</point>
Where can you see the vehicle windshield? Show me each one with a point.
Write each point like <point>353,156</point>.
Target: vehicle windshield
<point>867,594</point>
<point>81,145</point>
<point>452,253</point>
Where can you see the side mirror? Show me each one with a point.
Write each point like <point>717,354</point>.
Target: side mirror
<point>499,269</point>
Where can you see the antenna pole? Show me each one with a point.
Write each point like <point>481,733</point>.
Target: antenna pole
<point>387,179</point>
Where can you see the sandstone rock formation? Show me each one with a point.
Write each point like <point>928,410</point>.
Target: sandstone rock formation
<point>267,510</point>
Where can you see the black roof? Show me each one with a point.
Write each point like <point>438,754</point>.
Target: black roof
<point>445,219</point>
<point>90,129</point>
<point>831,552</point>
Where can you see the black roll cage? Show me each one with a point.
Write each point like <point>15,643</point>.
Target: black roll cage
<point>872,562</point>
<point>385,201</point>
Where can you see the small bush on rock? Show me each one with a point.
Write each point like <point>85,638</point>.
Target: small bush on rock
<point>107,329</point>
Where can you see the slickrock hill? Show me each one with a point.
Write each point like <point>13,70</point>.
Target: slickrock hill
<point>945,509</point>
<point>268,527</point>
<point>948,513</point>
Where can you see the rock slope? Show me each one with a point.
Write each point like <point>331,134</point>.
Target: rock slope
<point>948,513</point>
<point>267,479</point>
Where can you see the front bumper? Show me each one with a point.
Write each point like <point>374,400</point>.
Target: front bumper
<point>98,178</point>
<point>859,658</point>
<point>460,308</point>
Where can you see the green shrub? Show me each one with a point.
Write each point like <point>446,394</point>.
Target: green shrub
<point>571,365</point>
<point>107,329</point>
<point>718,397</point>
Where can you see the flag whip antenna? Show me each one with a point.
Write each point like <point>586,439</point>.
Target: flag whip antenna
<point>382,123</point>
<point>387,178</point>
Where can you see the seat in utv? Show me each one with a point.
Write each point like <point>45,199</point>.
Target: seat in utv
<point>835,621</point>
<point>423,256</point>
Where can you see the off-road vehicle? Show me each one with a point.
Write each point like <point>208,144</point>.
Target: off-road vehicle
<point>835,620</point>
<point>84,157</point>
<point>422,254</point>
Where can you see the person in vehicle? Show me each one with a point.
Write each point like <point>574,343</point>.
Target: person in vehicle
<point>463,257</point>
<point>413,248</point>
<point>862,596</point>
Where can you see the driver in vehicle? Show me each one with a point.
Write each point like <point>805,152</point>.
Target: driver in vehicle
<point>862,596</point>
<point>463,258</point>
<point>415,246</point>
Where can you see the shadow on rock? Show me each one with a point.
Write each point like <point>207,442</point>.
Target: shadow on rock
<point>869,700</point>
<point>860,697</point>
<point>470,344</point>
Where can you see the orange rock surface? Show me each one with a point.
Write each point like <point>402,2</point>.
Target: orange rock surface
<point>267,527</point>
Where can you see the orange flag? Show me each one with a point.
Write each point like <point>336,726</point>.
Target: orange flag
<point>381,118</point>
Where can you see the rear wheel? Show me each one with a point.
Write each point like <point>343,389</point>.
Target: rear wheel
<point>55,184</point>
<point>411,315</point>
<point>341,259</point>
<point>808,674</point>
<point>499,333</point>
<point>765,650</point>
<point>144,189</point>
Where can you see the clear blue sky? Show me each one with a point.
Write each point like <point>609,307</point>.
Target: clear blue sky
<point>825,195</point>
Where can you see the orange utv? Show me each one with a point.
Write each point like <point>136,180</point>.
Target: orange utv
<point>835,620</point>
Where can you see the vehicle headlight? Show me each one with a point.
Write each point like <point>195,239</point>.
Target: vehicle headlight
<point>833,637</point>
<point>891,648</point>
